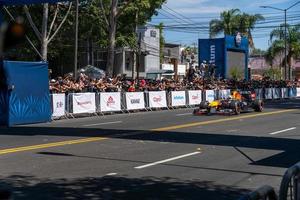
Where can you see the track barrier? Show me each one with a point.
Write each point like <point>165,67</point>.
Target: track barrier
<point>110,102</point>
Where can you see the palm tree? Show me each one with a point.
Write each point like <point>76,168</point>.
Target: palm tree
<point>226,24</point>
<point>233,21</point>
<point>246,24</point>
<point>293,42</point>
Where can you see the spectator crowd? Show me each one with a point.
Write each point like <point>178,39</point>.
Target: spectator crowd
<point>68,84</point>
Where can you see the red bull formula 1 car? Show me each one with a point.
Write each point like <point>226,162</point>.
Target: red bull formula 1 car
<point>237,102</point>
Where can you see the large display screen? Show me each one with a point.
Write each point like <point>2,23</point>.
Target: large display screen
<point>235,64</point>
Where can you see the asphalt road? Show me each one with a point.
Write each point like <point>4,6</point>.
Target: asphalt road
<point>167,154</point>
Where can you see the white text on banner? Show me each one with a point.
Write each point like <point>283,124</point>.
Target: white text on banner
<point>195,97</point>
<point>110,101</point>
<point>158,99</point>
<point>84,103</point>
<point>58,105</point>
<point>210,95</point>
<point>178,98</point>
<point>135,100</point>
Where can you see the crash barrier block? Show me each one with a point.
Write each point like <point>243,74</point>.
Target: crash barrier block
<point>135,100</point>
<point>157,99</point>
<point>58,105</point>
<point>259,93</point>
<point>210,95</point>
<point>290,179</point>
<point>194,97</point>
<point>298,92</point>
<point>83,103</point>
<point>265,192</point>
<point>178,98</point>
<point>110,102</point>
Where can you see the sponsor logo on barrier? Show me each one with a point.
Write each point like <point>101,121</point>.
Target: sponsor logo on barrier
<point>59,104</point>
<point>194,97</point>
<point>135,101</point>
<point>110,101</point>
<point>84,103</point>
<point>178,98</point>
<point>157,99</point>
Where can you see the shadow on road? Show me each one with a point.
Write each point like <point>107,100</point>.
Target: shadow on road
<point>114,188</point>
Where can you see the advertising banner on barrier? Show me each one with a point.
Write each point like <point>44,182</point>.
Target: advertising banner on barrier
<point>158,99</point>
<point>259,93</point>
<point>277,93</point>
<point>195,97</point>
<point>298,92</point>
<point>269,93</point>
<point>210,95</point>
<point>58,105</point>
<point>84,103</point>
<point>285,93</point>
<point>224,94</point>
<point>110,101</point>
<point>178,98</point>
<point>292,92</point>
<point>135,100</point>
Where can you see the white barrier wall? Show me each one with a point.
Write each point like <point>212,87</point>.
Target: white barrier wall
<point>259,93</point>
<point>135,100</point>
<point>110,101</point>
<point>298,92</point>
<point>277,93</point>
<point>158,99</point>
<point>178,98</point>
<point>285,93</point>
<point>195,97</point>
<point>224,94</point>
<point>58,105</point>
<point>84,103</point>
<point>210,95</point>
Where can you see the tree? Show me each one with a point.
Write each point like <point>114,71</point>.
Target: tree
<point>47,33</point>
<point>122,16</point>
<point>277,47</point>
<point>233,21</point>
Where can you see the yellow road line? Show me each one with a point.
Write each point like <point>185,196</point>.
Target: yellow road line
<point>220,120</point>
<point>95,139</point>
<point>54,144</point>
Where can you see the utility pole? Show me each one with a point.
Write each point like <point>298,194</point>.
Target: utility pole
<point>139,57</point>
<point>135,52</point>
<point>76,39</point>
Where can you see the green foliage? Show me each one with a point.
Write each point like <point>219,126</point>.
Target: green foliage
<point>274,73</point>
<point>236,73</point>
<point>233,21</point>
<point>278,43</point>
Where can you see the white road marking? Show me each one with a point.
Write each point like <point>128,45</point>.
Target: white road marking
<point>167,160</point>
<point>282,131</point>
<point>105,123</point>
<point>111,174</point>
<point>183,114</point>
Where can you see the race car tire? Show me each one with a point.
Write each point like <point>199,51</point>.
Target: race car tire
<point>258,106</point>
<point>236,107</point>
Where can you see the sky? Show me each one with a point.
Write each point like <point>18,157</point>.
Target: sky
<point>196,14</point>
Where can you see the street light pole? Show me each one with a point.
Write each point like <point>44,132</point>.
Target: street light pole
<point>76,39</point>
<point>285,37</point>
